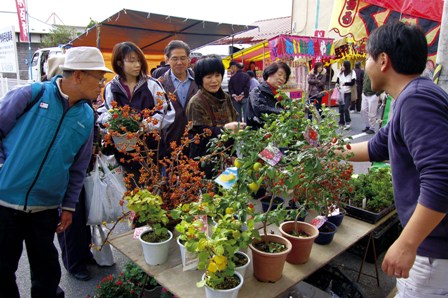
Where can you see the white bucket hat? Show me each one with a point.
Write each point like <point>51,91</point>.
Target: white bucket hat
<point>84,58</point>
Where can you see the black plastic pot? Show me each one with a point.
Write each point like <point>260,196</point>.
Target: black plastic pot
<point>327,236</point>
<point>266,200</point>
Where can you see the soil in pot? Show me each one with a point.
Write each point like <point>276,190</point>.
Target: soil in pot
<point>240,260</point>
<point>228,289</point>
<point>270,246</point>
<point>268,267</point>
<point>153,238</point>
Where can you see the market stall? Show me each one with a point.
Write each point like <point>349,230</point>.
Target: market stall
<point>299,52</point>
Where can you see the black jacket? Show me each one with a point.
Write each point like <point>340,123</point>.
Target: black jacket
<point>261,101</point>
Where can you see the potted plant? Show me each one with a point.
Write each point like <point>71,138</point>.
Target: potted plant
<point>215,229</point>
<point>116,286</point>
<point>155,241</point>
<point>147,284</point>
<point>372,196</point>
<point>132,282</point>
<point>175,178</point>
<point>124,126</point>
<point>289,155</point>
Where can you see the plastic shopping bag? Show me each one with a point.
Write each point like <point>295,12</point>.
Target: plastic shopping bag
<point>95,191</point>
<point>103,257</point>
<point>113,177</point>
<point>104,191</point>
<point>335,94</point>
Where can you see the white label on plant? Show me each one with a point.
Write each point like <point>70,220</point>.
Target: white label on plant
<point>140,230</point>
<point>318,221</point>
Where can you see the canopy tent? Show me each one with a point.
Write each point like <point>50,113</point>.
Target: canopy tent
<point>152,32</point>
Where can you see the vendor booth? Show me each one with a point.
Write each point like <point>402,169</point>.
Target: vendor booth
<point>299,52</point>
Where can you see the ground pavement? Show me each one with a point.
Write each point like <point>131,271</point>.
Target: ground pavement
<point>348,262</point>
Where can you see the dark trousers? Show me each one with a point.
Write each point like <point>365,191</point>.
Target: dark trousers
<point>37,230</point>
<point>240,108</point>
<point>344,113</point>
<point>75,241</point>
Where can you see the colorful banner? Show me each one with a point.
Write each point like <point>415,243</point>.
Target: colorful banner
<point>21,13</point>
<point>431,10</point>
<point>356,19</point>
<point>300,46</point>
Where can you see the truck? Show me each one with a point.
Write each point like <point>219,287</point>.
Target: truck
<point>39,65</point>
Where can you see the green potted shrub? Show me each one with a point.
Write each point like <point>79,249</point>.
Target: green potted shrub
<point>156,240</point>
<point>216,229</point>
<point>373,195</point>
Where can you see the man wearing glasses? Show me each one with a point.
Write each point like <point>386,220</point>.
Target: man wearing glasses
<point>180,86</point>
<point>46,133</point>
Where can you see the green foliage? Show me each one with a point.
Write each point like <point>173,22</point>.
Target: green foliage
<point>149,208</point>
<point>137,276</point>
<point>60,34</point>
<point>91,23</point>
<point>311,166</point>
<point>230,228</point>
<point>376,187</point>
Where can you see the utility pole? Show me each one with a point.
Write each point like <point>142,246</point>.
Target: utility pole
<point>442,49</point>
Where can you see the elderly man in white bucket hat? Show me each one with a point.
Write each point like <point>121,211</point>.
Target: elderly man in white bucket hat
<point>46,133</point>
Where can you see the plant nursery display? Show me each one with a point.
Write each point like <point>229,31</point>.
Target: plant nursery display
<point>373,195</point>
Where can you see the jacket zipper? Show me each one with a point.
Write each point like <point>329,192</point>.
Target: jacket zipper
<point>43,161</point>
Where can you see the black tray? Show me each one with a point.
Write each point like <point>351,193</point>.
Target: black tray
<point>367,216</point>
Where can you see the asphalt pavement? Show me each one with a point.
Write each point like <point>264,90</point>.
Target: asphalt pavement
<point>347,262</point>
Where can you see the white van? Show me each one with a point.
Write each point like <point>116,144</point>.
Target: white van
<point>39,65</point>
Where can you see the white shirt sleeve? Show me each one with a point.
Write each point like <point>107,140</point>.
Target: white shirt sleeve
<point>166,114</point>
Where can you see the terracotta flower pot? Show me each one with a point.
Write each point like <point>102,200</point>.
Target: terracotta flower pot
<point>301,246</point>
<point>268,267</point>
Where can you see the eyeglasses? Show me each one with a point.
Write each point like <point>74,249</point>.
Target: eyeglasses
<point>101,80</point>
<point>176,59</point>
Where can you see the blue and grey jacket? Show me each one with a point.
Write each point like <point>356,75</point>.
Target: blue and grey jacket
<point>45,151</point>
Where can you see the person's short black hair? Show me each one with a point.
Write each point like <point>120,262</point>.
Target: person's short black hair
<point>251,73</point>
<point>405,45</point>
<point>176,44</point>
<point>274,67</point>
<point>207,65</point>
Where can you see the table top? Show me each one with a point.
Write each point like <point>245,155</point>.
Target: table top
<point>183,284</point>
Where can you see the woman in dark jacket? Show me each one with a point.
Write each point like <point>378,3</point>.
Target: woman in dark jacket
<point>262,99</point>
<point>132,87</point>
<point>316,84</point>
<point>210,108</point>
